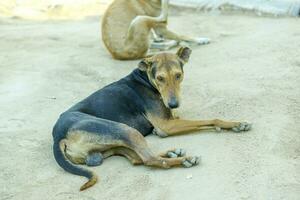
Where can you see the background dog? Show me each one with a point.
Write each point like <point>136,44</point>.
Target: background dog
<point>127,26</point>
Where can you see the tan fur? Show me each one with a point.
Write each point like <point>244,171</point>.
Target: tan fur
<point>168,67</point>
<point>126,152</point>
<point>182,126</point>
<point>127,25</point>
<point>78,144</point>
<point>63,147</point>
<point>115,27</point>
<point>90,183</point>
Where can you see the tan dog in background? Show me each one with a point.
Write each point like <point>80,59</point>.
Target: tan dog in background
<point>127,26</point>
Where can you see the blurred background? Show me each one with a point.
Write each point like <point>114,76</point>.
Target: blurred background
<point>64,9</point>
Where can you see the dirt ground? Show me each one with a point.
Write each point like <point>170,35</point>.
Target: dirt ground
<point>250,71</point>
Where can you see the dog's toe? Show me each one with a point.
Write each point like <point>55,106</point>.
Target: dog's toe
<point>180,152</point>
<point>187,164</point>
<point>191,161</point>
<point>243,126</point>
<point>176,153</point>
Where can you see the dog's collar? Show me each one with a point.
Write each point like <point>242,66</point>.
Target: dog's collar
<point>142,77</point>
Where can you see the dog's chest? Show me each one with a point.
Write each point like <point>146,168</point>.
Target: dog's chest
<point>141,120</point>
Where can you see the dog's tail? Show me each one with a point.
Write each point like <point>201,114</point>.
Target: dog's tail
<point>59,147</point>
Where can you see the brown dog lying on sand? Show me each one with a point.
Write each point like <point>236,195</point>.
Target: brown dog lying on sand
<point>115,119</point>
<point>127,26</point>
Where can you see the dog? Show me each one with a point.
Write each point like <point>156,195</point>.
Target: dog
<point>115,119</point>
<point>127,26</point>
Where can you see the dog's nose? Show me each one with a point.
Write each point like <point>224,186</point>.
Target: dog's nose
<point>173,103</point>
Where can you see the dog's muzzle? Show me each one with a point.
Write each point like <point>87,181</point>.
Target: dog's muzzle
<point>173,103</point>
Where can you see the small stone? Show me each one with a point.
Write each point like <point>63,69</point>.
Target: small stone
<point>190,176</point>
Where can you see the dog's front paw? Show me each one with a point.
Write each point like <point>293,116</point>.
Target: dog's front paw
<point>159,132</point>
<point>243,126</point>
<point>176,153</point>
<point>191,161</point>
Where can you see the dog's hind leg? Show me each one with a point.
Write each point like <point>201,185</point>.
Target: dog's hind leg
<point>137,40</point>
<point>126,152</point>
<point>141,25</point>
<point>139,145</point>
<point>163,31</point>
<point>158,42</point>
<point>130,155</point>
<point>164,45</point>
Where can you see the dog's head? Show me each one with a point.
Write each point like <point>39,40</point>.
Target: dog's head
<point>165,72</point>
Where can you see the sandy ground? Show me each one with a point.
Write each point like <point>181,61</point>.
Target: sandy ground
<point>251,71</point>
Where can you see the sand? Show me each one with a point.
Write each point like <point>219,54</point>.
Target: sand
<point>250,72</point>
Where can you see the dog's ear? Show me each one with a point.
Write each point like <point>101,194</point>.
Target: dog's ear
<point>184,54</point>
<point>144,64</point>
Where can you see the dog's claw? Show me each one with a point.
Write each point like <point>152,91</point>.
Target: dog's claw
<point>191,161</point>
<point>176,153</point>
<point>244,126</point>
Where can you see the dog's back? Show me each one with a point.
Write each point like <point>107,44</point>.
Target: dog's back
<point>126,101</point>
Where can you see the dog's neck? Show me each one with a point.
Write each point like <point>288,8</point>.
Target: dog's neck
<point>143,79</point>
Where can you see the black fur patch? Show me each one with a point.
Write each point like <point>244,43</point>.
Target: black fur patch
<point>153,72</point>
<point>181,65</point>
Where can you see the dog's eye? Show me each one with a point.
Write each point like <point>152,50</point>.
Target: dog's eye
<point>160,78</point>
<point>178,76</point>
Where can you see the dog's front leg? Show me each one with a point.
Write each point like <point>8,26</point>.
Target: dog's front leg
<point>180,126</point>
<point>163,31</point>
